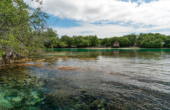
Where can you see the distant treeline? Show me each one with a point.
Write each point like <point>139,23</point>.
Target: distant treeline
<point>54,41</point>
<point>144,40</point>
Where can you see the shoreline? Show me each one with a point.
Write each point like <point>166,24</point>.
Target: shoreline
<point>106,48</point>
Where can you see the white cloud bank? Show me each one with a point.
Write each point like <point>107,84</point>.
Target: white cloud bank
<point>106,30</point>
<point>155,13</point>
<point>91,29</point>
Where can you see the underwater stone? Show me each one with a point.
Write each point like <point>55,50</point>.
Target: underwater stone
<point>17,99</point>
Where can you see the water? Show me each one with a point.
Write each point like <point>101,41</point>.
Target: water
<point>87,79</point>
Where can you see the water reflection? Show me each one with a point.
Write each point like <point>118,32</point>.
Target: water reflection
<point>88,79</point>
<point>94,53</point>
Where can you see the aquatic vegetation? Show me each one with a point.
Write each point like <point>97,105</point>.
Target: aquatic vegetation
<point>40,61</point>
<point>89,68</point>
<point>64,58</point>
<point>15,92</point>
<point>9,61</point>
<point>68,68</point>
<point>39,100</point>
<point>88,58</point>
<point>23,60</point>
<point>64,99</point>
<point>37,65</point>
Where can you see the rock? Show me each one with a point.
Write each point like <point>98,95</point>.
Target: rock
<point>17,99</point>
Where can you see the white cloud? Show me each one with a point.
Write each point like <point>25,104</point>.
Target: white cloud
<point>104,30</point>
<point>155,13</point>
<point>141,1</point>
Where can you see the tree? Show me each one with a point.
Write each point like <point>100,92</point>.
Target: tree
<point>94,41</point>
<point>150,41</point>
<point>132,38</point>
<point>124,41</point>
<point>114,39</point>
<point>50,38</point>
<point>62,44</point>
<point>68,40</point>
<point>167,42</point>
<point>141,37</point>
<point>105,42</point>
<point>21,24</point>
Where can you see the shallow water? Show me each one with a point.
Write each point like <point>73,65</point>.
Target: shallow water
<point>87,79</point>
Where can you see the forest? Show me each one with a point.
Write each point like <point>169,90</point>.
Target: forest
<point>143,40</point>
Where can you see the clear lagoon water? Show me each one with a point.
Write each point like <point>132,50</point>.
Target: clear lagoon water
<point>87,79</point>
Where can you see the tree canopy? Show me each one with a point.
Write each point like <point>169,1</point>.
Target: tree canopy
<point>20,26</point>
<point>145,40</point>
<point>151,40</point>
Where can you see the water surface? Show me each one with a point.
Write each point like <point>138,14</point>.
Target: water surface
<point>87,79</point>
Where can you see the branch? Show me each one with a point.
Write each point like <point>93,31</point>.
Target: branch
<point>21,41</point>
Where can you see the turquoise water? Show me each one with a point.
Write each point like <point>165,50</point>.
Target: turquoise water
<point>87,79</point>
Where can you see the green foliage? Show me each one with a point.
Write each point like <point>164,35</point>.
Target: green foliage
<point>50,38</point>
<point>62,44</point>
<point>146,40</point>
<point>141,37</point>
<point>151,41</point>
<point>79,41</point>
<point>132,39</point>
<point>68,40</point>
<point>114,39</point>
<point>167,42</point>
<point>124,41</point>
<point>106,42</point>
<point>85,41</point>
<point>20,26</point>
<point>39,100</point>
<point>2,42</point>
<point>160,36</point>
<point>94,41</point>
<point>50,33</point>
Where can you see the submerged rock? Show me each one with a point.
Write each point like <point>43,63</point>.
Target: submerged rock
<point>17,99</point>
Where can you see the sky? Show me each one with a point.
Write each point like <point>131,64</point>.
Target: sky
<point>107,18</point>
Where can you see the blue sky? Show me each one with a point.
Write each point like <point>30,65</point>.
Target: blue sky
<point>107,18</point>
